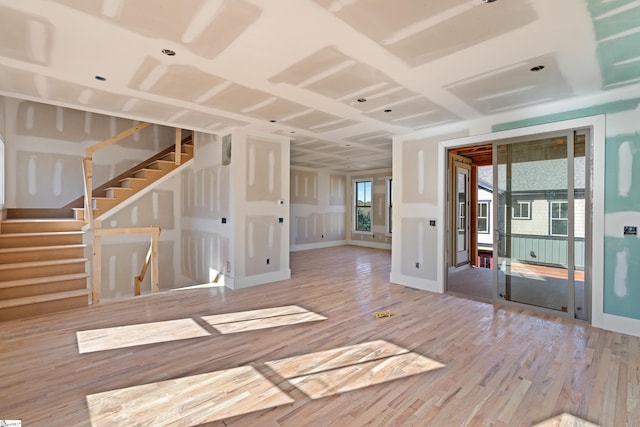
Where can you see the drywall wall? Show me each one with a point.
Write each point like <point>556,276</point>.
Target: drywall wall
<point>378,237</point>
<point>45,146</point>
<point>2,117</point>
<point>204,203</point>
<point>616,271</point>
<point>318,209</point>
<point>260,209</point>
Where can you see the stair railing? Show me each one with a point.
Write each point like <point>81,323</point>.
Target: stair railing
<point>152,256</point>
<point>88,166</point>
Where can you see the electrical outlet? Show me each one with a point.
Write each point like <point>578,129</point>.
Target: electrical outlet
<point>224,220</point>
<point>417,265</point>
<point>281,220</point>
<point>268,261</point>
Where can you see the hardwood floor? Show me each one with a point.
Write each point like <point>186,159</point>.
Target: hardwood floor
<point>438,361</point>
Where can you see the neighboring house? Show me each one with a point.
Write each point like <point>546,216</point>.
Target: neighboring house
<point>539,218</point>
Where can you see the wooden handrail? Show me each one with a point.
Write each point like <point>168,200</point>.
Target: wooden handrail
<point>99,146</point>
<point>152,257</point>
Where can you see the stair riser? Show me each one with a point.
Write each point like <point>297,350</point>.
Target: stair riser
<point>118,193</point>
<point>50,240</point>
<point>49,270</point>
<point>172,157</point>
<point>43,255</point>
<point>42,289</point>
<point>103,205</point>
<point>165,167</point>
<point>150,174</point>
<point>43,308</point>
<point>37,227</point>
<point>135,185</point>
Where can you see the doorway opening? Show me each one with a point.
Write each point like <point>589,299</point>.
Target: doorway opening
<point>523,212</point>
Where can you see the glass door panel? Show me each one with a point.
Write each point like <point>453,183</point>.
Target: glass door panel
<point>534,227</point>
<point>462,217</point>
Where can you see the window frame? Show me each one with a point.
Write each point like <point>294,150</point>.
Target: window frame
<point>519,203</point>
<point>552,219</point>
<point>354,227</point>
<point>488,217</point>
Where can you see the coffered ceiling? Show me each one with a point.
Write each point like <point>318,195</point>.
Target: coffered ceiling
<point>339,77</point>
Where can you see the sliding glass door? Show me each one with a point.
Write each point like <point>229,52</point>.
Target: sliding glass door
<point>539,222</point>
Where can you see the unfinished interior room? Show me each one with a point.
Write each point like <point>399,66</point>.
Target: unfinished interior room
<point>320,213</point>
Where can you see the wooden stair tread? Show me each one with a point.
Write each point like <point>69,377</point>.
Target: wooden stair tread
<point>39,220</point>
<point>41,248</point>
<point>34,264</point>
<point>119,188</point>
<point>133,178</point>
<point>41,233</point>
<point>15,302</point>
<point>40,280</point>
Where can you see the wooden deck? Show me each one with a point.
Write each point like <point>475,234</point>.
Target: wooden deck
<point>309,351</point>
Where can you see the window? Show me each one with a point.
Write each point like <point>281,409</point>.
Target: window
<point>389,204</point>
<point>559,218</point>
<point>362,198</point>
<point>483,217</point>
<point>521,210</point>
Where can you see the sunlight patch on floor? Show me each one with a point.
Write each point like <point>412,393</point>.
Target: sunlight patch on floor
<point>566,420</point>
<point>139,334</point>
<point>349,368</point>
<point>252,320</point>
<point>187,401</point>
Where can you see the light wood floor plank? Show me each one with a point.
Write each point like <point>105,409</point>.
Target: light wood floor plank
<point>439,360</point>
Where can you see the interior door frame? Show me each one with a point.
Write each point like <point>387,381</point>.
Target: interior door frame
<point>455,163</point>
<point>594,257</point>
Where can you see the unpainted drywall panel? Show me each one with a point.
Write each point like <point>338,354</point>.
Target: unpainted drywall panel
<point>419,252</point>
<point>264,170</point>
<point>275,109</point>
<point>205,192</point>
<point>263,254</point>
<point>219,23</point>
<point>337,190</point>
<point>47,180</point>
<point>65,124</point>
<point>3,110</point>
<point>420,172</point>
<point>317,228</point>
<point>173,81</point>
<point>335,125</point>
<point>153,209</point>
<point>351,79</point>
<point>319,62</point>
<point>312,119</point>
<point>204,255</point>
<point>17,81</point>
<point>122,261</point>
<point>304,187</point>
<point>26,38</point>
<point>414,113</point>
<point>513,86</point>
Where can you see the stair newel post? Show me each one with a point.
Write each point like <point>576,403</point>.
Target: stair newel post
<point>88,189</point>
<point>155,234</point>
<point>96,264</point>
<point>178,155</point>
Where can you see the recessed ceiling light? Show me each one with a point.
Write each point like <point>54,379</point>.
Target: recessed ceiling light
<point>347,145</point>
<point>100,78</point>
<point>537,68</point>
<point>362,100</point>
<point>388,110</point>
<point>273,120</point>
<point>488,1</point>
<point>169,52</point>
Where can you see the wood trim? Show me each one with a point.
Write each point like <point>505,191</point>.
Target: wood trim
<point>178,151</point>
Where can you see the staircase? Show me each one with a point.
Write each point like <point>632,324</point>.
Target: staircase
<point>42,260</point>
<point>42,267</point>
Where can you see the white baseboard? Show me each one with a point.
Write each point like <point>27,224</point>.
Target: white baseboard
<point>414,282</point>
<point>318,245</point>
<point>373,245</point>
<point>623,325</point>
<point>258,279</point>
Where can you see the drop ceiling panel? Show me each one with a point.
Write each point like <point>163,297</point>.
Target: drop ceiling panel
<point>173,81</point>
<point>205,27</point>
<point>514,86</point>
<point>25,37</point>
